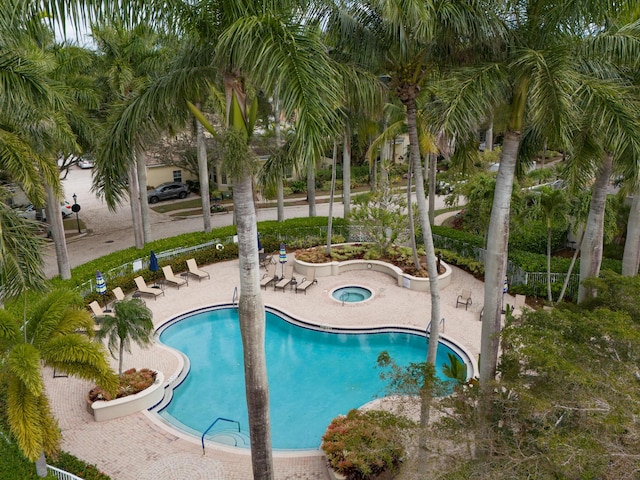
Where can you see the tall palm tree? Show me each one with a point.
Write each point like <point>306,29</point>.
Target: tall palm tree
<point>552,203</point>
<point>51,335</point>
<point>131,321</point>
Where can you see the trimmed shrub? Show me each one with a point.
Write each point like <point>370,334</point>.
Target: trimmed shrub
<point>362,445</point>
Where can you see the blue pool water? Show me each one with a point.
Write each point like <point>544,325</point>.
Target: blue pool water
<point>351,294</point>
<point>313,375</point>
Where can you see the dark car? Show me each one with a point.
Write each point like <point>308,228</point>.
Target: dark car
<point>168,190</point>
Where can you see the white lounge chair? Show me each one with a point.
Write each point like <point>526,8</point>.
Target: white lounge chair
<point>171,278</point>
<point>306,282</point>
<point>286,280</point>
<point>97,310</point>
<point>268,277</point>
<point>144,289</point>
<point>195,271</point>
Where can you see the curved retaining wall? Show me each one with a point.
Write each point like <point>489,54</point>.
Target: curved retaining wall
<point>420,284</point>
<point>107,410</point>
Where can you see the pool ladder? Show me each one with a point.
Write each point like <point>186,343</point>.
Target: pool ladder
<point>344,297</point>
<point>441,322</point>
<point>234,299</point>
<point>211,426</point>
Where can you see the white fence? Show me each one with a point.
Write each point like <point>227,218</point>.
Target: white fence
<point>61,474</point>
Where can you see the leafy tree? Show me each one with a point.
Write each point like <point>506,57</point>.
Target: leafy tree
<point>132,322</point>
<point>57,333</point>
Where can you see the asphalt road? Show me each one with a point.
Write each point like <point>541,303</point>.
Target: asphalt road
<point>112,231</point>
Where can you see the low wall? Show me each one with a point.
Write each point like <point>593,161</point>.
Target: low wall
<point>107,410</point>
<point>420,284</point>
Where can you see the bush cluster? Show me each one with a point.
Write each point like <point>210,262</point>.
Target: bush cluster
<point>362,445</point>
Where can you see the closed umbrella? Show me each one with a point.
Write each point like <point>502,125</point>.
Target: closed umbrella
<point>283,256</point>
<point>259,243</point>
<point>153,265</point>
<point>101,285</point>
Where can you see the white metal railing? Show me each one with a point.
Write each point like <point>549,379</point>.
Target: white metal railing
<point>61,474</point>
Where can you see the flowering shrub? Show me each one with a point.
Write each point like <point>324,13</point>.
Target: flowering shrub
<point>132,381</point>
<point>362,445</point>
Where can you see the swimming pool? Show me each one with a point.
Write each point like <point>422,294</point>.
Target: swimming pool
<point>314,375</point>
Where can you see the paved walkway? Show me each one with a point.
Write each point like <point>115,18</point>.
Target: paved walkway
<point>140,446</point>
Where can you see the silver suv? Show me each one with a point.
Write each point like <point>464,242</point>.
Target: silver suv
<point>168,190</point>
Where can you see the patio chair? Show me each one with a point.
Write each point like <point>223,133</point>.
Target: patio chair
<point>464,299</point>
<point>144,289</point>
<point>171,278</point>
<point>97,310</point>
<point>307,281</point>
<point>286,280</point>
<point>265,259</point>
<point>195,271</point>
<point>268,277</point>
<point>118,293</point>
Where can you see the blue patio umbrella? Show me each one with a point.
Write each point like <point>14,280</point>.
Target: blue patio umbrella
<point>283,256</point>
<point>101,285</point>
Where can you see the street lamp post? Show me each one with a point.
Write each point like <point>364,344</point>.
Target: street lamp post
<point>76,208</point>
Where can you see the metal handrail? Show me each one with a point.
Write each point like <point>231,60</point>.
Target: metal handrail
<point>211,426</point>
<point>441,322</point>
<point>235,296</point>
<point>344,297</point>
<point>61,474</point>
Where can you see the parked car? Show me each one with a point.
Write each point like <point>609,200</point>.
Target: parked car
<point>32,213</point>
<point>168,190</point>
<point>86,162</point>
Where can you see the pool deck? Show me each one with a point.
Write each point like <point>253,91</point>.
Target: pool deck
<point>140,447</point>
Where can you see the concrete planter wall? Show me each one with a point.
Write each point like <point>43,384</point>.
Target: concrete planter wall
<point>107,410</point>
<point>420,284</point>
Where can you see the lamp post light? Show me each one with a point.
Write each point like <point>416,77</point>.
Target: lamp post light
<point>76,208</point>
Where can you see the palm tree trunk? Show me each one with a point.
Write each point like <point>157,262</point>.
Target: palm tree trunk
<point>346,172</point>
<point>549,263</point>
<point>565,284</point>
<point>412,227</point>
<point>203,175</point>
<point>591,253</point>
<point>488,137</point>
<point>252,327</point>
<point>141,165</point>
<point>434,334</point>
<point>134,199</point>
<point>331,195</point>
<point>41,465</point>
<point>57,232</point>
<point>311,188</point>
<point>433,160</point>
<point>120,356</point>
<point>280,180</point>
<point>631,256</point>
<point>495,260</point>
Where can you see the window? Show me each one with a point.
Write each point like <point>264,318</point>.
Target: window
<point>177,175</point>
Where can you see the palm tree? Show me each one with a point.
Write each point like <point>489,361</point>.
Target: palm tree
<point>132,322</point>
<point>21,261</point>
<point>57,333</point>
<point>552,203</point>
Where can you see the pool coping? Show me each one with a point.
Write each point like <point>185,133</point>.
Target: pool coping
<point>174,381</point>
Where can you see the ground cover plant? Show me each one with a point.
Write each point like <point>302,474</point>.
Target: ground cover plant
<point>399,256</point>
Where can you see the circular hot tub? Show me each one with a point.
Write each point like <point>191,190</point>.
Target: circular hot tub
<point>351,294</point>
